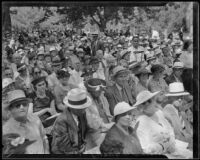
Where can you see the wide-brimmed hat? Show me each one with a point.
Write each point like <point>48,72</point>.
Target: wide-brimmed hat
<point>40,53</point>
<point>15,96</point>
<point>94,61</point>
<point>95,84</point>
<point>77,98</point>
<point>144,96</point>
<point>118,70</point>
<point>176,89</point>
<point>124,52</point>
<point>56,61</point>
<point>178,65</point>
<point>122,107</point>
<point>6,82</point>
<point>142,70</point>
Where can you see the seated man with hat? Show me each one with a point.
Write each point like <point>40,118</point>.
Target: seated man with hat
<point>180,113</point>
<point>71,127</point>
<point>176,74</point>
<point>120,90</point>
<point>26,125</point>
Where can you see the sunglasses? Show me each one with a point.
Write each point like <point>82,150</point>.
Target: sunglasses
<point>8,74</point>
<point>18,104</point>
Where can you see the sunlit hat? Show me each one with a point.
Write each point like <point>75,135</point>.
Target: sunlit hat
<point>6,82</point>
<point>118,70</point>
<point>178,51</point>
<point>122,107</point>
<point>79,50</point>
<point>176,89</point>
<point>144,96</point>
<point>77,98</point>
<point>52,48</point>
<point>178,65</point>
<point>15,96</point>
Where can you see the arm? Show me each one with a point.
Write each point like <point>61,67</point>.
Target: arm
<point>61,143</point>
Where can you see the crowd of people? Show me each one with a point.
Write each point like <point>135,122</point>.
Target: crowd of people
<point>70,93</point>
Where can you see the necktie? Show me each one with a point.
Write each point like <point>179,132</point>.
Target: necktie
<point>182,121</point>
<point>124,95</point>
<point>79,132</point>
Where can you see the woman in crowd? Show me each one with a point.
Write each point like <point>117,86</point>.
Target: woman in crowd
<point>155,132</point>
<point>122,132</point>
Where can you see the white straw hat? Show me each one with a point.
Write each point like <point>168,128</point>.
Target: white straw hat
<point>144,96</point>
<point>6,82</point>
<point>77,98</point>
<point>122,107</point>
<point>178,65</point>
<point>176,89</point>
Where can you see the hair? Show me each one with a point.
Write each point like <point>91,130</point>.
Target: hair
<point>62,74</point>
<point>38,80</point>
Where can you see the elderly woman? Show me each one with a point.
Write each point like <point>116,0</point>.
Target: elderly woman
<point>122,132</point>
<point>179,113</point>
<point>155,132</point>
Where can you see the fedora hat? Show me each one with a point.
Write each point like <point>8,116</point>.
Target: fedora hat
<point>176,89</point>
<point>77,98</point>
<point>6,82</point>
<point>144,96</point>
<point>178,65</point>
<point>52,49</point>
<point>15,96</point>
<point>122,107</point>
<point>119,69</point>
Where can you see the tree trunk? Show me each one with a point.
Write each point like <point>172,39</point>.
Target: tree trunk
<point>6,19</point>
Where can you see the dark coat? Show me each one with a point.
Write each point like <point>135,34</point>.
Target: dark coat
<point>113,96</point>
<point>95,46</point>
<point>65,134</point>
<point>130,143</point>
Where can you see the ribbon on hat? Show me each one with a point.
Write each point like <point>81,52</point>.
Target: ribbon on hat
<point>97,88</point>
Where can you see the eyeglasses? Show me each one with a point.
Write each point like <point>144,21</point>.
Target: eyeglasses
<point>37,72</point>
<point>8,74</point>
<point>18,104</point>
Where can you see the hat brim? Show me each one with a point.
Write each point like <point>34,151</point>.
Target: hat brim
<point>177,94</point>
<point>120,72</point>
<point>18,100</point>
<point>83,106</point>
<point>125,111</point>
<point>146,99</point>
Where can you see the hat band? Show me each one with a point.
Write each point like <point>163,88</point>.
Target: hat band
<point>81,102</point>
<point>176,92</point>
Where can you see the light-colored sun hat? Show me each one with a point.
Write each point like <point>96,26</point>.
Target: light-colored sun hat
<point>77,98</point>
<point>176,89</point>
<point>6,82</point>
<point>122,107</point>
<point>119,69</point>
<point>15,96</point>
<point>178,65</point>
<point>144,96</point>
<point>52,48</point>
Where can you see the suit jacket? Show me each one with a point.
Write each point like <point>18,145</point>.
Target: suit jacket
<point>113,96</point>
<point>65,134</point>
<point>130,142</point>
<point>170,112</point>
<point>95,46</point>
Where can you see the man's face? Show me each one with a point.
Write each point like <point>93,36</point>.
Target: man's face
<point>122,79</point>
<point>41,87</point>
<point>41,57</point>
<point>95,66</point>
<point>53,53</point>
<point>57,67</point>
<point>9,73</point>
<point>135,42</point>
<point>178,71</point>
<point>19,109</point>
<point>64,81</point>
<point>48,59</point>
<point>17,60</point>
<point>77,66</point>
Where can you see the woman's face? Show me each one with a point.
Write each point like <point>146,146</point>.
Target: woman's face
<point>147,107</point>
<point>144,78</point>
<point>125,120</point>
<point>122,78</point>
<point>41,87</point>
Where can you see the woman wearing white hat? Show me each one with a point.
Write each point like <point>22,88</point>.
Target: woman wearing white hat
<point>154,131</point>
<point>122,132</point>
<point>179,112</point>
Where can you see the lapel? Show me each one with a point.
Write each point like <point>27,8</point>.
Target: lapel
<point>116,93</point>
